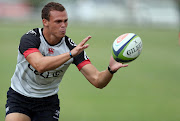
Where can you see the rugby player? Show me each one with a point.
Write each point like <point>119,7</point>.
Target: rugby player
<point>44,54</point>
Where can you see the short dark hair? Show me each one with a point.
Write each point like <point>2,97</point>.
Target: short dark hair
<point>45,14</point>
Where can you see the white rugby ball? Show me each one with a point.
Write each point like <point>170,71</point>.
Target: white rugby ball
<point>127,47</point>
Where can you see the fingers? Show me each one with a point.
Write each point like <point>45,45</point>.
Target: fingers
<point>120,65</point>
<point>84,47</point>
<point>80,47</point>
<point>116,65</point>
<point>124,65</point>
<point>113,62</point>
<point>85,40</point>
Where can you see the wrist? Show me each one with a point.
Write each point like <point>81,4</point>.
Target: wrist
<point>70,54</point>
<point>112,72</point>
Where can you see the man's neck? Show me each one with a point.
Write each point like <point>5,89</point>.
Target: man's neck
<point>51,39</point>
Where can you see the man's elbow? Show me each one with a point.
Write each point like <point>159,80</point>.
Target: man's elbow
<point>99,86</point>
<point>40,69</point>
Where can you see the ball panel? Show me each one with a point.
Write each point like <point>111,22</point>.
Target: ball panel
<point>121,54</point>
<point>121,40</point>
<point>126,47</point>
<point>113,54</point>
<point>133,48</point>
<point>118,49</point>
<point>124,61</point>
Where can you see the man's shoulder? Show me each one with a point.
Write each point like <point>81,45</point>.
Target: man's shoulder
<point>32,33</point>
<point>31,36</point>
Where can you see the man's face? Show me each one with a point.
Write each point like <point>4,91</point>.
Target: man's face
<point>57,23</point>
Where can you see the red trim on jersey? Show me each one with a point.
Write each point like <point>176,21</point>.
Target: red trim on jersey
<point>79,66</point>
<point>29,51</point>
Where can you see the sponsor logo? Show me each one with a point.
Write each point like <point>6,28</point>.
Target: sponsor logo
<point>46,74</point>
<point>136,48</point>
<point>51,50</point>
<point>71,42</point>
<point>56,114</point>
<point>7,109</point>
<point>32,32</point>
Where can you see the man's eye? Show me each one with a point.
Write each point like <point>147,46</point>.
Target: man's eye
<point>66,20</point>
<point>59,21</point>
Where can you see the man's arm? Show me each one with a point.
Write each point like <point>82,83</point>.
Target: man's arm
<point>45,63</point>
<point>100,79</point>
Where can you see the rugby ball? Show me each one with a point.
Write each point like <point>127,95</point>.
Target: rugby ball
<point>126,47</point>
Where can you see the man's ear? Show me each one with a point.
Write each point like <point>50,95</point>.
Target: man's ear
<point>45,22</point>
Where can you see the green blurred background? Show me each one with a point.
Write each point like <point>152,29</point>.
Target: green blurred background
<point>147,90</point>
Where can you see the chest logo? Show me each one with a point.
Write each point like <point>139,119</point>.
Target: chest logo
<point>51,50</point>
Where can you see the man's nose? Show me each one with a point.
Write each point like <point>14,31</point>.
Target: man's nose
<point>63,24</point>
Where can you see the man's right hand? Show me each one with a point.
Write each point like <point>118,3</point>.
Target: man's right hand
<point>80,47</point>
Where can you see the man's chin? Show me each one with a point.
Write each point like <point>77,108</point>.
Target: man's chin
<point>61,36</point>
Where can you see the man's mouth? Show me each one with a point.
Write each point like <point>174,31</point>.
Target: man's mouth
<point>63,31</point>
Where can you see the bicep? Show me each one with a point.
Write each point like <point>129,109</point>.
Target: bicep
<point>28,46</point>
<point>34,58</point>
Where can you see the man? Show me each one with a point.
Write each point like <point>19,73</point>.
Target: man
<point>44,55</point>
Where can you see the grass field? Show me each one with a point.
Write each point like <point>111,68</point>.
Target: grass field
<point>148,90</point>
